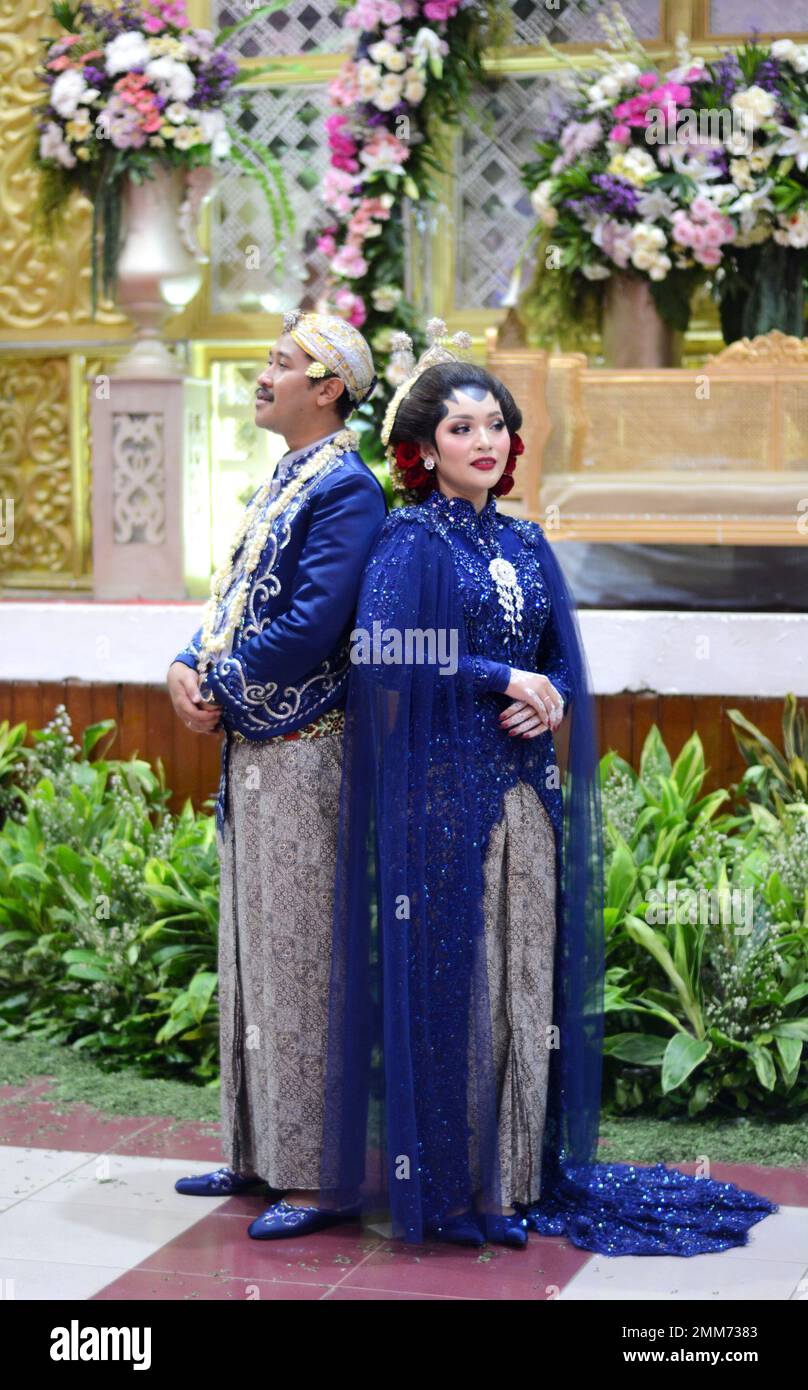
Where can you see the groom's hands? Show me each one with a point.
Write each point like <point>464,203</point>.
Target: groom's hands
<point>183,687</point>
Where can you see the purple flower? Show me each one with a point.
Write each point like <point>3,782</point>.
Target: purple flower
<point>768,75</point>
<point>618,198</point>
<point>727,75</point>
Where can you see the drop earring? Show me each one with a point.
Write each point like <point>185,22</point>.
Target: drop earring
<point>429,463</point>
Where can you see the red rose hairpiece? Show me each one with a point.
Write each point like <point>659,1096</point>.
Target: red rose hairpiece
<point>416,478</point>
<point>503,487</point>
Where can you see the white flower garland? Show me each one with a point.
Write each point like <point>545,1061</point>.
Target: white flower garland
<point>213,643</point>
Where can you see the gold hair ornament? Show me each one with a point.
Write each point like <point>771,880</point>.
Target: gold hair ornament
<point>402,360</point>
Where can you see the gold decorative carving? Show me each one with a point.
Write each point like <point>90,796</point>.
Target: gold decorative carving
<point>41,287</point>
<point>36,464</point>
<point>766,350</point>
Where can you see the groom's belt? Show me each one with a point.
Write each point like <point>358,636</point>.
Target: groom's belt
<point>333,722</point>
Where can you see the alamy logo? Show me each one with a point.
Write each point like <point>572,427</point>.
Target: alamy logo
<point>409,646</point>
<point>76,1343</point>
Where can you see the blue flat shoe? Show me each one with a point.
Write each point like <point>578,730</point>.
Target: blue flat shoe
<point>462,1229</point>
<point>283,1220</point>
<point>223,1182</point>
<point>504,1229</point>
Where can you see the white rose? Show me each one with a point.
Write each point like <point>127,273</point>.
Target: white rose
<point>68,91</point>
<point>389,93</point>
<point>660,268</point>
<point>388,56</point>
<point>610,85</point>
<point>129,50</point>
<point>787,51</point>
<point>176,78</point>
<point>368,77</point>
<point>214,130</point>
<point>640,162</point>
<point>176,112</point>
<point>753,106</point>
<point>187,135</point>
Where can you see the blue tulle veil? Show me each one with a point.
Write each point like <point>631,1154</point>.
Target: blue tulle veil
<point>411,1092</point>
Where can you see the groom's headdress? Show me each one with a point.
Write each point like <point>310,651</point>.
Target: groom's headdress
<point>337,347</point>
<point>404,365</point>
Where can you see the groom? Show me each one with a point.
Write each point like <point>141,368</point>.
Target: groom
<point>276,681</point>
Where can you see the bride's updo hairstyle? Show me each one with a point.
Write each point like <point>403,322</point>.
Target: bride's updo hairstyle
<point>423,408</point>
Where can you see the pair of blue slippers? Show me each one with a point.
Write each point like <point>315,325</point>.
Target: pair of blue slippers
<point>280,1220</point>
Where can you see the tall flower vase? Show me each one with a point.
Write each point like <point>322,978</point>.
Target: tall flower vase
<point>160,261</point>
<point>633,332</point>
<point>764,290</point>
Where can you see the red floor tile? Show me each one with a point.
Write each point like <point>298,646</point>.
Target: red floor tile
<point>788,1186</point>
<point>40,1124</point>
<point>343,1295</point>
<point>493,1272</point>
<point>219,1244</point>
<point>162,1138</point>
<point>152,1287</point>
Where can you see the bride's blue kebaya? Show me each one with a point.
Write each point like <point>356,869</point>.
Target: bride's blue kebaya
<point>411,1103</point>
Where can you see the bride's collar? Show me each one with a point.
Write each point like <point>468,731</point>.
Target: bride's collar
<point>461,513</point>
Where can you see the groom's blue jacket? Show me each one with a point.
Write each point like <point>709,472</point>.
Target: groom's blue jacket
<point>291,652</point>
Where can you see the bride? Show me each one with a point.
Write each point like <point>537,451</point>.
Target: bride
<point>466,1008</point>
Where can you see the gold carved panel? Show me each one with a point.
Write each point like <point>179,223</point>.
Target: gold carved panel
<point>43,290</point>
<point>43,470</point>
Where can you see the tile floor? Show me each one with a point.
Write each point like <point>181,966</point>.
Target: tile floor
<point>88,1211</point>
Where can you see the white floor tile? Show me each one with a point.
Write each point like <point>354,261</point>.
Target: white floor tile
<point>132,1183</point>
<point>26,1280</point>
<point>783,1235</point>
<point>24,1172</point>
<point>82,1233</point>
<point>706,1278</point>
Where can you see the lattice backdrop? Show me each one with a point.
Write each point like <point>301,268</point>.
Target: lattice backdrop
<point>290,121</point>
<point>491,209</point>
<point>309,25</point>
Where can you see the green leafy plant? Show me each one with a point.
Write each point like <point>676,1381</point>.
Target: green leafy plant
<point>108,910</point>
<point>710,1009</point>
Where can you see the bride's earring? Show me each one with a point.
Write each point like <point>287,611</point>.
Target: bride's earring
<point>429,463</point>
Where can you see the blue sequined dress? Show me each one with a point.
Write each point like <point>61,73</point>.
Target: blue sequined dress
<point>411,1105</point>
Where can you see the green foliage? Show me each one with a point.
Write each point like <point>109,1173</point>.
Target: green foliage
<point>706,923</point>
<point>772,778</point>
<point>108,908</point>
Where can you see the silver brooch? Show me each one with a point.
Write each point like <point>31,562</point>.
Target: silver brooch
<point>509,592</point>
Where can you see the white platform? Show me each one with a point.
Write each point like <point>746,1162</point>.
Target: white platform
<point>668,653</point>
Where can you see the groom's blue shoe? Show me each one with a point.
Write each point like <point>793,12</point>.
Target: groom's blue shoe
<point>223,1182</point>
<point>282,1220</point>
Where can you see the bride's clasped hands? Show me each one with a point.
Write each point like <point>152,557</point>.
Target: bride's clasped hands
<point>537,705</point>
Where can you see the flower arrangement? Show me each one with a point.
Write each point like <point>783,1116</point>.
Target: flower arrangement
<point>129,86</point>
<point>666,176</point>
<point>410,70</point>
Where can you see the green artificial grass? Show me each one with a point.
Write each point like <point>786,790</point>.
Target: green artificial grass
<point>782,1144</point>
<point>114,1093</point>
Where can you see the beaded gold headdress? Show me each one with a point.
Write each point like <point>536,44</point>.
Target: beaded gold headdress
<point>403,364</point>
